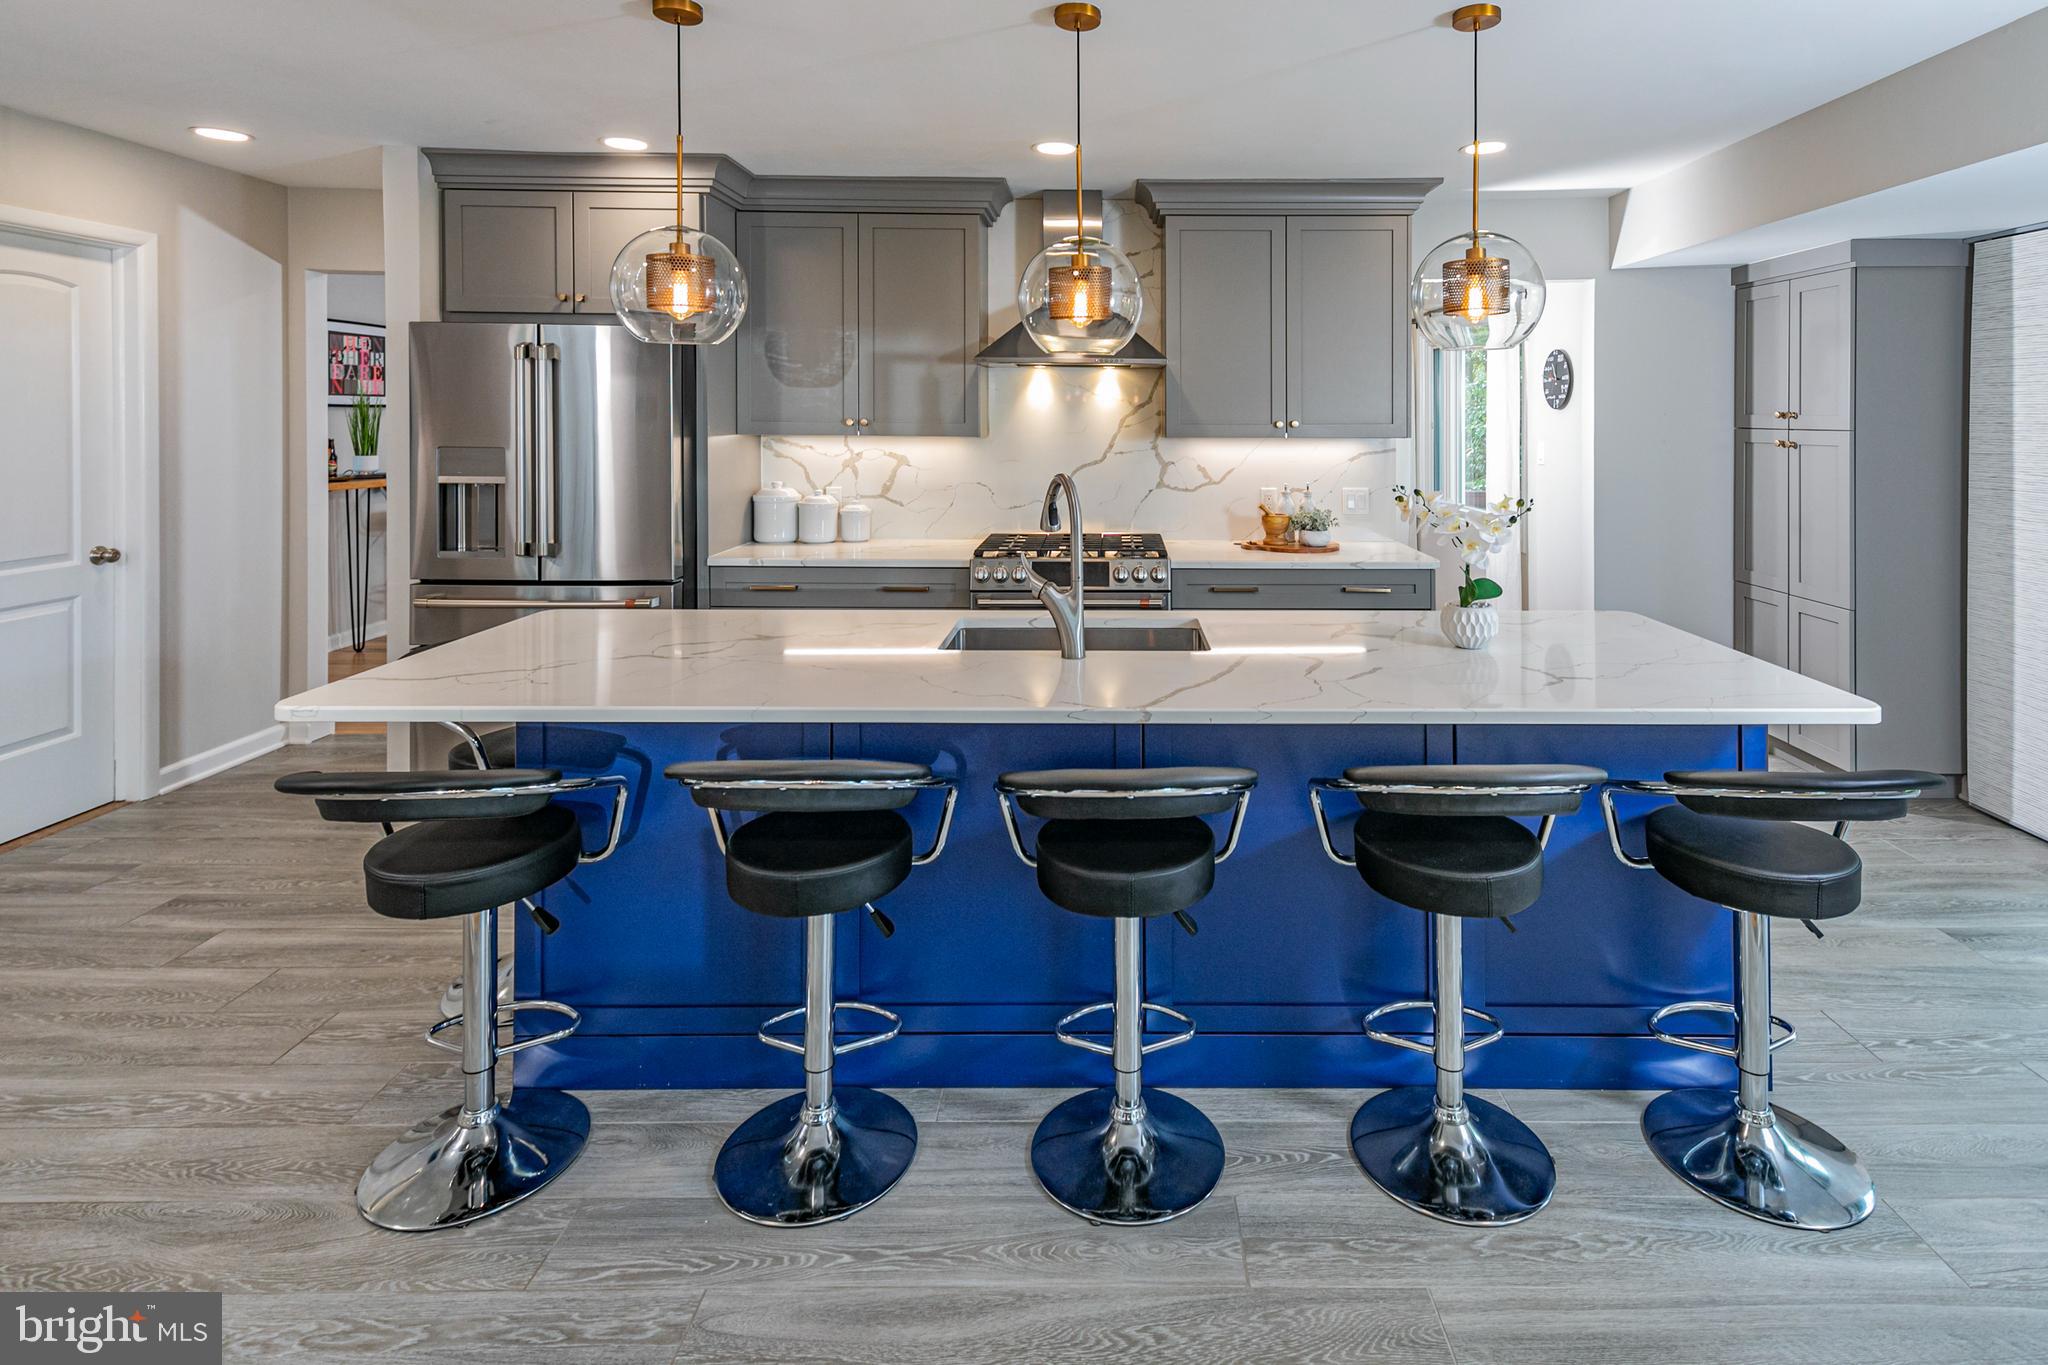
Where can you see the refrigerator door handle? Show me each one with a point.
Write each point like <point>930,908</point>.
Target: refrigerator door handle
<point>549,532</point>
<point>522,447</point>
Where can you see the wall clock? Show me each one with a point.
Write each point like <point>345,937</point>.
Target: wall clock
<point>1557,379</point>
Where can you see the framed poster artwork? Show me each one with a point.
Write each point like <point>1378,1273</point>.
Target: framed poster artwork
<point>355,362</point>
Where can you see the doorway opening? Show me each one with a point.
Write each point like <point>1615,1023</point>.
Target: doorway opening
<point>347,453</point>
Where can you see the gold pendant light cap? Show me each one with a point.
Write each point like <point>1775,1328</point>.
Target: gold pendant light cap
<point>1075,18</point>
<point>1475,18</point>
<point>685,13</point>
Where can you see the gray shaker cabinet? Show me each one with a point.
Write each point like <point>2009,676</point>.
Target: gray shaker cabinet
<point>923,286</point>
<point>866,322</point>
<point>605,222</point>
<point>1763,510</point>
<point>1822,351</point>
<point>508,251</point>
<point>1226,326</point>
<point>1823,642</point>
<point>798,374</point>
<point>1822,559</point>
<point>1763,369</point>
<point>1286,323</point>
<point>1763,628</point>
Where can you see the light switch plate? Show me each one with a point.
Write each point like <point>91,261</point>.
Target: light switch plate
<point>1358,501</point>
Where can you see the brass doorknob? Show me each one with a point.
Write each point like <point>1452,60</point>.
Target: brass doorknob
<point>1279,424</point>
<point>103,554</point>
<point>846,421</point>
<point>583,298</point>
<point>561,298</point>
<point>863,422</point>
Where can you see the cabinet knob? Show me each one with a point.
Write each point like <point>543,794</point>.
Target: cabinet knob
<point>1784,444</point>
<point>846,421</point>
<point>1279,425</point>
<point>583,298</point>
<point>561,298</point>
<point>1792,416</point>
<point>863,422</point>
<point>1293,422</point>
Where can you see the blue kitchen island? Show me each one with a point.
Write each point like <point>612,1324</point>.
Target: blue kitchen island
<point>673,979</point>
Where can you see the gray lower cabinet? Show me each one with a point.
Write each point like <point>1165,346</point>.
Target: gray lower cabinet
<point>508,251</point>
<point>1823,646</point>
<point>1822,553</point>
<point>1763,628</point>
<point>863,321</point>
<point>1296,324</point>
<point>1199,590</point>
<point>797,370</point>
<point>935,589</point>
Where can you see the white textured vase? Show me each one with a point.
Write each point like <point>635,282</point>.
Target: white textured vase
<point>1470,627</point>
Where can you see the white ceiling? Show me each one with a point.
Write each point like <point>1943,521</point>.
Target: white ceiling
<point>1590,94</point>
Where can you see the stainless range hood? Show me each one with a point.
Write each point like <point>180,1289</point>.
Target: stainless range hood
<point>1015,347</point>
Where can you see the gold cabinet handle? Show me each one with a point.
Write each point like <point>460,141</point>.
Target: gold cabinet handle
<point>583,298</point>
<point>846,421</point>
<point>1792,416</point>
<point>863,422</point>
<point>1781,415</point>
<point>772,587</point>
<point>1784,444</point>
<point>561,298</point>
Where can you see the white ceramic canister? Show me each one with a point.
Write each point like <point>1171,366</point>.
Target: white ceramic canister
<point>817,518</point>
<point>775,514</point>
<point>856,520</point>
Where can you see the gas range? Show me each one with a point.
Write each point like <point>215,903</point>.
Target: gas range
<point>1127,569</point>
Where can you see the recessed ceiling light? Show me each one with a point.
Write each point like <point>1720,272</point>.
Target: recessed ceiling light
<point>1487,148</point>
<point>220,135</point>
<point>1053,148</point>
<point>625,144</point>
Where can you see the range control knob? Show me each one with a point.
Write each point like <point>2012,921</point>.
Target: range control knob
<point>981,573</point>
<point>1002,575</point>
<point>1120,573</point>
<point>1158,573</point>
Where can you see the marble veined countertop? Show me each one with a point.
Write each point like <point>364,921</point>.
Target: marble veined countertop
<point>1263,667</point>
<point>1364,552</point>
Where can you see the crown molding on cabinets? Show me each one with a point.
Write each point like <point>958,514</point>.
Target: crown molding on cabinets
<point>1296,198</point>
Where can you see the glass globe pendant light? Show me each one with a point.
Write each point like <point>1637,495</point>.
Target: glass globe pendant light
<point>676,285</point>
<point>1479,291</point>
<point>1080,295</point>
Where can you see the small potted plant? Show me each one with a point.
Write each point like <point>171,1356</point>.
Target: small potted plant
<point>1477,534</point>
<point>365,420</point>
<point>1313,525</point>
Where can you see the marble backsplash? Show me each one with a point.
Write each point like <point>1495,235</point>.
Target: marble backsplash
<point>1102,426</point>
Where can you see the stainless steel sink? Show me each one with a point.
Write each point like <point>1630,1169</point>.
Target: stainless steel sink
<point>1179,637</point>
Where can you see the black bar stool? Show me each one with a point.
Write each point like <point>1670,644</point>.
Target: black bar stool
<point>828,838</point>
<point>482,839</point>
<point>1732,839</point>
<point>1127,844</point>
<point>468,754</point>
<point>1438,838</point>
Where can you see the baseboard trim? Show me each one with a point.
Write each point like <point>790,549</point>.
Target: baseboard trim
<point>219,758</point>
<point>340,640</point>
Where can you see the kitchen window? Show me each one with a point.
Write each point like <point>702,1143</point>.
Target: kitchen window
<point>1476,414</point>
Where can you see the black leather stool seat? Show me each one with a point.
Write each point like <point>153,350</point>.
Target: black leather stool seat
<point>1126,869</point>
<point>458,867</point>
<point>1471,866</point>
<point>1769,867</point>
<point>798,863</point>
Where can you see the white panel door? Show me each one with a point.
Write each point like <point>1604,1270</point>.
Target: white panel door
<point>56,607</point>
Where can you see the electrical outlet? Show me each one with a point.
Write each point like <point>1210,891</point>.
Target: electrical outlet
<point>1358,501</point>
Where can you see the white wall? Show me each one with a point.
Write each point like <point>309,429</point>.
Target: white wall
<point>221,412</point>
<point>1560,456</point>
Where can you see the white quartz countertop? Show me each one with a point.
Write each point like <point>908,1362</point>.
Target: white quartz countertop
<point>1365,552</point>
<point>1264,667</point>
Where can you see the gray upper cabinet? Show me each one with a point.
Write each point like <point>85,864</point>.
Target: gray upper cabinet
<point>1347,326</point>
<point>1822,351</point>
<point>798,374</point>
<point>1763,510</point>
<point>1286,305</point>
<point>923,286</point>
<point>508,251</point>
<point>1763,369</point>
<point>1226,326</point>
<point>863,321</point>
<point>1822,558</point>
<point>605,222</point>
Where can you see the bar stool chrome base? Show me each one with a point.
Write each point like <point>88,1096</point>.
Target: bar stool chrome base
<point>1481,1166</point>
<point>1777,1167</point>
<point>789,1165</point>
<point>458,1167</point>
<point>1127,1169</point>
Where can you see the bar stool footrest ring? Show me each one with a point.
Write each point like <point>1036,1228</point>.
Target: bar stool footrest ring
<point>505,1016</point>
<point>1060,1032</point>
<point>1664,1035</point>
<point>838,1049</point>
<point>1398,1006</point>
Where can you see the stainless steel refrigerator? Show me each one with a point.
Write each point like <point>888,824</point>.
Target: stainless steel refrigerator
<point>553,466</point>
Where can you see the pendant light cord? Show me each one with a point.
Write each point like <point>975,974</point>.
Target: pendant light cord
<point>679,131</point>
<point>1080,217</point>
<point>1475,135</point>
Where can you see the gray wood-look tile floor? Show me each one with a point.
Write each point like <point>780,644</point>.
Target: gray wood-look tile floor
<point>206,1035</point>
